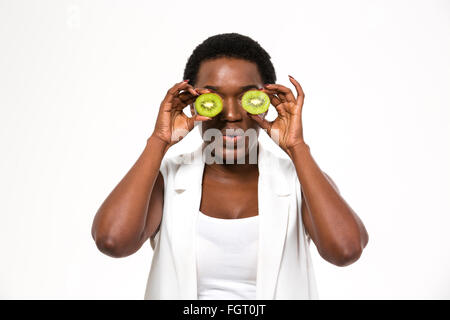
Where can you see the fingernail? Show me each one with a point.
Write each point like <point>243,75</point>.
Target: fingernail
<point>266,85</point>
<point>291,77</point>
<point>187,80</point>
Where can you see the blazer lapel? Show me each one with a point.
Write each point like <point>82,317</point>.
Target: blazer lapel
<point>187,190</point>
<point>273,205</point>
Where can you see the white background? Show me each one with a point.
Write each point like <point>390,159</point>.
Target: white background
<point>80,87</point>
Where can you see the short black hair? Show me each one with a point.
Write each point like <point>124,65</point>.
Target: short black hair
<point>231,45</point>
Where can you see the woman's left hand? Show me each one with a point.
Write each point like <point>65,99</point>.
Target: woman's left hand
<point>286,129</point>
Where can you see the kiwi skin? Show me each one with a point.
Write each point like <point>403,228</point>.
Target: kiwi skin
<point>208,98</point>
<point>260,95</point>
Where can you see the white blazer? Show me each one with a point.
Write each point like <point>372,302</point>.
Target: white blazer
<point>284,268</point>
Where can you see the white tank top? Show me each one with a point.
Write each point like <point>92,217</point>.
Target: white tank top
<point>227,251</point>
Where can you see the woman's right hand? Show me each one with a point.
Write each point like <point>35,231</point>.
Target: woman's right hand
<point>172,124</point>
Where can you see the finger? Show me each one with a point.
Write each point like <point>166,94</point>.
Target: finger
<point>201,118</point>
<point>283,91</point>
<point>202,90</point>
<point>192,90</point>
<point>179,104</point>
<point>177,87</point>
<point>280,96</point>
<point>299,89</point>
<point>196,119</point>
<point>259,119</point>
<point>183,99</point>
<point>274,100</point>
<point>277,103</point>
<point>174,90</point>
<point>186,96</point>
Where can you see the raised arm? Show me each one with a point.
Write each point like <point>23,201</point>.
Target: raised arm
<point>119,228</point>
<point>334,227</point>
<point>132,212</point>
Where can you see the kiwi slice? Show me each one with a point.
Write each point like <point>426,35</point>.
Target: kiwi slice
<point>208,104</point>
<point>255,101</point>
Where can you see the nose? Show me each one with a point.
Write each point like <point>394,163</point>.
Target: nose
<point>231,110</point>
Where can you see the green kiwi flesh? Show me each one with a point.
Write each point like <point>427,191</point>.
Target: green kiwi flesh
<point>208,104</point>
<point>255,101</point>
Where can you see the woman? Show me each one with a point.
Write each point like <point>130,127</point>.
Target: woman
<point>233,227</point>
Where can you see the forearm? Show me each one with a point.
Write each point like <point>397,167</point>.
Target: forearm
<point>335,228</point>
<point>120,221</point>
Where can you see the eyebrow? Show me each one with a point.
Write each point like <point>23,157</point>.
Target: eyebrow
<point>244,88</point>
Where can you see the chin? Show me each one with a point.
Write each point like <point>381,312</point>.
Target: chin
<point>235,155</point>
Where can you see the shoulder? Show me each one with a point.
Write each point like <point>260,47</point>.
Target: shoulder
<point>180,163</point>
<point>278,171</point>
<point>274,155</point>
<point>286,164</point>
<point>283,162</point>
<point>169,166</point>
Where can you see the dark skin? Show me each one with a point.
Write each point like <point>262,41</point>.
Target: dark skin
<point>132,212</point>
<point>230,78</point>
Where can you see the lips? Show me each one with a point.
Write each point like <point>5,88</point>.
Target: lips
<point>232,139</point>
<point>232,132</point>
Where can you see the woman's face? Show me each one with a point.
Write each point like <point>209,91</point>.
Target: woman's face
<point>230,78</point>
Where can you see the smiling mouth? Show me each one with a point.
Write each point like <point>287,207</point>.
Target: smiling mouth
<point>231,140</point>
<point>232,135</point>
